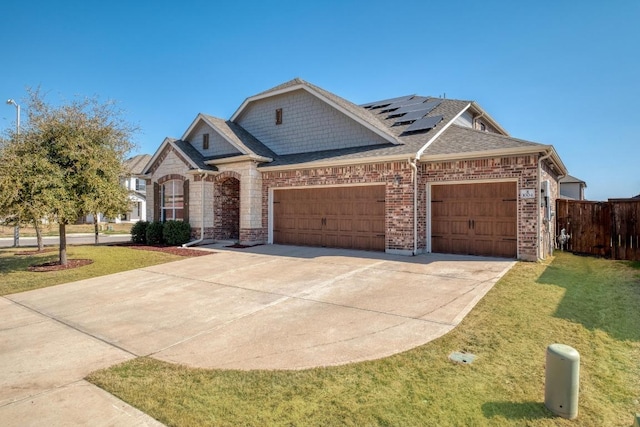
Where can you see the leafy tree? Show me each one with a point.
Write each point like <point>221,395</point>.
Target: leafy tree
<point>24,196</point>
<point>85,144</point>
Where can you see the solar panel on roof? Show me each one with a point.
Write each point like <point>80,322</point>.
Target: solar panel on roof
<point>378,104</point>
<point>404,103</point>
<point>429,106</point>
<point>424,124</point>
<point>411,117</point>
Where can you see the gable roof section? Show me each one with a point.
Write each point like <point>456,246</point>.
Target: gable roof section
<point>184,150</point>
<point>569,179</point>
<point>136,164</point>
<point>458,139</point>
<point>235,135</point>
<point>459,142</point>
<point>360,115</point>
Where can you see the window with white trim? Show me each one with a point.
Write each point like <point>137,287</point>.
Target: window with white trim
<point>172,196</point>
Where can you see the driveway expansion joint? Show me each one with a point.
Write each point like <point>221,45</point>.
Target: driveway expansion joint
<point>75,328</point>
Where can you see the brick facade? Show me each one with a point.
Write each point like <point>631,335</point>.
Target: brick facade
<point>233,202</point>
<point>523,169</point>
<point>399,193</point>
<point>226,206</point>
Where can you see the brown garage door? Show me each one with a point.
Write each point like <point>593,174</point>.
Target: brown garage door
<point>474,219</point>
<point>338,217</point>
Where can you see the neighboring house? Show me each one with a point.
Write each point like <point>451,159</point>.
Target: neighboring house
<point>137,189</point>
<point>572,188</point>
<point>299,165</point>
<point>137,192</point>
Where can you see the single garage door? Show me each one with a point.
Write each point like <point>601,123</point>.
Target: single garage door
<point>338,217</point>
<point>475,219</point>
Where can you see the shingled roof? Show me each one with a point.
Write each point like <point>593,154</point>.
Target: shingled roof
<point>240,137</point>
<point>457,139</point>
<point>445,138</point>
<point>136,164</point>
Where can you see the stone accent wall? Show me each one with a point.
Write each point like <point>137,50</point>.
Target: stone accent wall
<point>522,168</point>
<point>308,124</point>
<point>396,176</point>
<point>196,206</point>
<point>250,198</point>
<point>169,163</point>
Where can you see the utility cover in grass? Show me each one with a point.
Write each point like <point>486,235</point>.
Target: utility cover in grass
<point>464,358</point>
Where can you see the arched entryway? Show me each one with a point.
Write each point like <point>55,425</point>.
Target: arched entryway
<point>227,207</point>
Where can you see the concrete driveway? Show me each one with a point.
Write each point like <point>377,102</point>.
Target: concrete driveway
<point>267,307</point>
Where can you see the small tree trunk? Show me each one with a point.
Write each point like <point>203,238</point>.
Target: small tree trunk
<point>36,225</point>
<point>63,243</point>
<point>95,228</point>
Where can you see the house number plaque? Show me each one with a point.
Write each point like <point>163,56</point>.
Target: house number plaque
<point>527,193</point>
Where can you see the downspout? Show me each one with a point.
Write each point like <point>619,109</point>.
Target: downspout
<point>414,180</point>
<point>203,174</point>
<point>539,200</point>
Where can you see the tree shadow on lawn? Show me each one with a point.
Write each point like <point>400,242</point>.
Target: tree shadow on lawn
<point>516,410</point>
<point>600,294</point>
<point>13,260</point>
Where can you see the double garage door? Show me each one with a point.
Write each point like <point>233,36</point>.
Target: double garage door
<point>337,217</point>
<point>475,219</point>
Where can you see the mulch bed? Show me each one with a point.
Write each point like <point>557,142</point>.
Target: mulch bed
<point>56,266</point>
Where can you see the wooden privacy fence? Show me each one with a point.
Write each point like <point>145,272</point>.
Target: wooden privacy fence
<point>608,229</point>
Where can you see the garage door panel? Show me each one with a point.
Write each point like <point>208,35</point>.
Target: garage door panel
<point>505,248</point>
<point>484,209</point>
<point>459,228</point>
<point>459,246</point>
<point>312,224</point>
<point>343,217</point>
<point>459,208</point>
<point>440,227</point>
<point>478,219</point>
<point>483,228</point>
<point>506,229</point>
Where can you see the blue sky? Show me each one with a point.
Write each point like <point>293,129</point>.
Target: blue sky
<point>555,72</point>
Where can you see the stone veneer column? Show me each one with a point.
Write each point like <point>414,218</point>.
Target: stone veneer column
<point>251,231</point>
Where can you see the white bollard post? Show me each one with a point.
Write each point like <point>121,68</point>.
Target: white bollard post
<point>562,380</point>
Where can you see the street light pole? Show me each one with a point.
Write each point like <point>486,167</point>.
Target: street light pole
<point>16,229</point>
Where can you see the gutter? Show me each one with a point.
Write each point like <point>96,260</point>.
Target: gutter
<point>202,174</point>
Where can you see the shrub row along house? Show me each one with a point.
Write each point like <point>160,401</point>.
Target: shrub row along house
<point>299,165</point>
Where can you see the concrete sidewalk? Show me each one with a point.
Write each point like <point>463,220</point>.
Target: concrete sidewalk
<point>267,307</point>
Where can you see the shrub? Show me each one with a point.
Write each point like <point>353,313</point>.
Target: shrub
<point>139,232</point>
<point>176,232</point>
<point>154,233</point>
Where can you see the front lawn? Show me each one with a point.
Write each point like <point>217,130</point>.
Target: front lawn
<point>106,260</point>
<point>587,303</point>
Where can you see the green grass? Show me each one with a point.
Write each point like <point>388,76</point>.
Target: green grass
<point>587,303</point>
<point>14,276</point>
